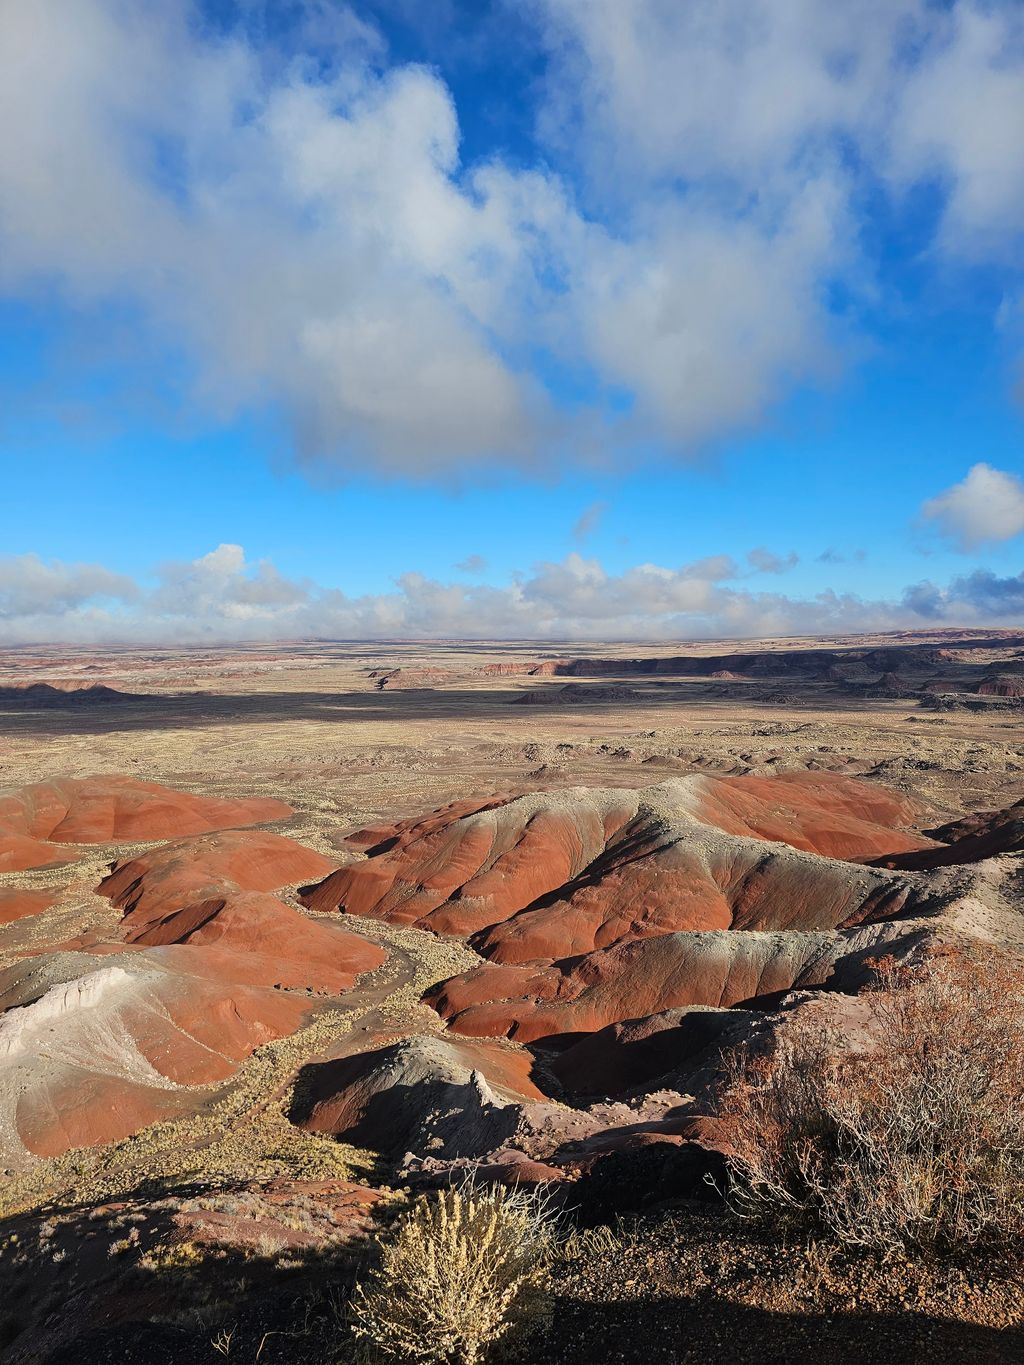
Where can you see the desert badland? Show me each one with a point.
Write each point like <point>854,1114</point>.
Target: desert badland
<point>511,682</point>
<point>294,935</point>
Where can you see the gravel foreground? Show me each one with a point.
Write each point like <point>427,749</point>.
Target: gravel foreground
<point>678,1284</point>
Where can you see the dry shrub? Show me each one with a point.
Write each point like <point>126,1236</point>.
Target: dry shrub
<point>458,1273</point>
<point>916,1139</point>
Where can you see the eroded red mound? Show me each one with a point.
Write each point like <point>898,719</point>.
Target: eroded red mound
<point>100,810</point>
<point>188,870</point>
<point>599,865</point>
<point>398,1090</point>
<point>594,906</point>
<point>255,937</point>
<point>646,977</point>
<point>100,1037</point>
<point>120,1044</point>
<point>211,893</point>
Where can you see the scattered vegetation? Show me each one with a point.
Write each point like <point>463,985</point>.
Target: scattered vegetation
<point>916,1139</point>
<point>459,1273</point>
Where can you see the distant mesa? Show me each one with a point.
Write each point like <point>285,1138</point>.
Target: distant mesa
<point>552,668</point>
<point>508,669</point>
<point>37,821</point>
<point>1002,685</point>
<point>63,695</point>
<point>811,665</point>
<point>397,679</point>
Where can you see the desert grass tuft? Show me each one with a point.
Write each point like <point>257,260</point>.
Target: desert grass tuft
<point>461,1273</point>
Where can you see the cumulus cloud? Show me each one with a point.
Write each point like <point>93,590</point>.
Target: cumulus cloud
<point>978,596</point>
<point>958,123</point>
<point>30,587</point>
<point>293,226</point>
<point>221,597</point>
<point>985,508</point>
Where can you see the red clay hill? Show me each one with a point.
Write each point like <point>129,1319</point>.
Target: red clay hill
<point>110,1032</point>
<point>591,906</point>
<point>609,856</point>
<point>36,821</point>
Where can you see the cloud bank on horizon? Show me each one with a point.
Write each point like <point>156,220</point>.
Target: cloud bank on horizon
<point>220,598</point>
<point>292,225</point>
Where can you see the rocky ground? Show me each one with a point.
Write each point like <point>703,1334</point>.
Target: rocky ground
<point>287,934</point>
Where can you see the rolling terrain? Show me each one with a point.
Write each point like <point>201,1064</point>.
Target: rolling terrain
<point>287,932</point>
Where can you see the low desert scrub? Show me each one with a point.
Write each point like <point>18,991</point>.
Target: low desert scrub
<point>459,1273</point>
<point>914,1139</point>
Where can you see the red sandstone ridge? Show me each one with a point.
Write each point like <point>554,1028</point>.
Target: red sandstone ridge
<point>615,856</point>
<point>651,975</point>
<point>593,906</point>
<point>99,810</point>
<point>984,835</point>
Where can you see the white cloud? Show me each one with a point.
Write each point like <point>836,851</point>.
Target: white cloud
<point>30,587</point>
<point>220,597</point>
<point>308,240</point>
<point>987,507</point>
<point>958,120</point>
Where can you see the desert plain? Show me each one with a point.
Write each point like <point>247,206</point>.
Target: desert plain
<point>291,933</point>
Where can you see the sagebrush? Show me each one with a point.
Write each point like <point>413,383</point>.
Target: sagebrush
<point>915,1138</point>
<point>459,1273</point>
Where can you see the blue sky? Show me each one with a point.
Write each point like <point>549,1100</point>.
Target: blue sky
<point>551,318</point>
